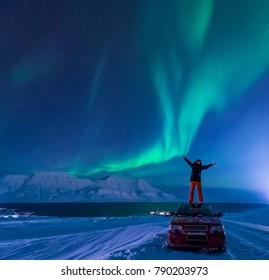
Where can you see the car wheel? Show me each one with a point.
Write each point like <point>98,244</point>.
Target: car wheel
<point>222,249</point>
<point>168,246</point>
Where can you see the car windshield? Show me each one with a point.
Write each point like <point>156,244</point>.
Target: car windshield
<point>195,210</point>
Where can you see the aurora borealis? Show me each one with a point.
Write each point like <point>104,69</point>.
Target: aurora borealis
<point>128,87</point>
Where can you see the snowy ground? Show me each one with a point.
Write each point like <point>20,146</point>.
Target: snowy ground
<point>122,238</point>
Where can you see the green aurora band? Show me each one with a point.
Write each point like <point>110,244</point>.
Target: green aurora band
<point>201,55</point>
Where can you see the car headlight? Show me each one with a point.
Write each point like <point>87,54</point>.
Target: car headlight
<point>175,228</point>
<point>217,229</point>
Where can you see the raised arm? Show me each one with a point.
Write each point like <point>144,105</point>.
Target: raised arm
<point>189,162</point>
<point>208,165</point>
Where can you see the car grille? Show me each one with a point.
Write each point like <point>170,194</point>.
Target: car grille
<point>196,228</point>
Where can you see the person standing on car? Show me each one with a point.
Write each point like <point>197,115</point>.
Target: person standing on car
<point>195,179</point>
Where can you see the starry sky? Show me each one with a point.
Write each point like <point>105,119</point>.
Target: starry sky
<point>129,86</point>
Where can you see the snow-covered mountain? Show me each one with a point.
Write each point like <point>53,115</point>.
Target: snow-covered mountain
<point>63,187</point>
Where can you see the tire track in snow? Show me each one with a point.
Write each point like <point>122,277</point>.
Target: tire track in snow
<point>246,240</point>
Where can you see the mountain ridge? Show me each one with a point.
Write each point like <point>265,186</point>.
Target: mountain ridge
<point>63,187</point>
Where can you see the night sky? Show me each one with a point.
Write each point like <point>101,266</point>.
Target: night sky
<point>97,87</point>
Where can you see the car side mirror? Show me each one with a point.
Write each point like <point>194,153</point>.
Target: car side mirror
<point>219,214</point>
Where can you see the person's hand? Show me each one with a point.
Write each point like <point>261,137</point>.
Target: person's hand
<point>214,163</point>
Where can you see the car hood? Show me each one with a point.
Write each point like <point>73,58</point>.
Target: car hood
<point>195,220</point>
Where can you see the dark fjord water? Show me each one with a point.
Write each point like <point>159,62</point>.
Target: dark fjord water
<point>103,209</point>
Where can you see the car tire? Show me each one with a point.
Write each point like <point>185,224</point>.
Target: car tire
<point>222,249</point>
<point>168,246</point>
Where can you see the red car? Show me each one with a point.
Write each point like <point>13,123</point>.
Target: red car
<point>196,226</point>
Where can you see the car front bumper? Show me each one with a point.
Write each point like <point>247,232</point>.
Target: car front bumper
<point>196,240</point>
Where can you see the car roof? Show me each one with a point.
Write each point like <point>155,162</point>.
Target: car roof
<point>192,209</point>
